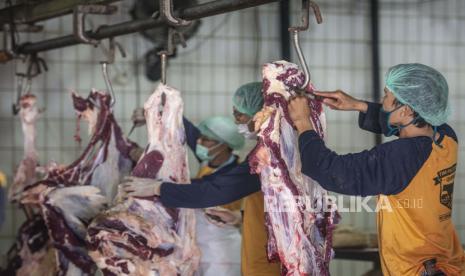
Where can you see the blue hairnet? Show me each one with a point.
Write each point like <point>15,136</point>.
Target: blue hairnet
<point>422,88</point>
<point>248,99</point>
<point>222,129</point>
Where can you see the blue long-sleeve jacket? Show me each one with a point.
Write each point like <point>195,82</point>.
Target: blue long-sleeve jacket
<point>226,185</point>
<point>385,169</point>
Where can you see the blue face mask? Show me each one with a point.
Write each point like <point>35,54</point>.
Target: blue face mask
<point>202,152</point>
<point>386,128</point>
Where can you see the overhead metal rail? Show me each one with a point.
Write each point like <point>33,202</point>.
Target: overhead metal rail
<point>196,12</point>
<point>29,12</point>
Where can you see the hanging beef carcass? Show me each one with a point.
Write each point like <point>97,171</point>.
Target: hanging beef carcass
<point>32,253</point>
<point>71,196</point>
<point>299,217</point>
<point>140,236</point>
<point>26,171</point>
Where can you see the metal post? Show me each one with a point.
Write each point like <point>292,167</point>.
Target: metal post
<point>376,93</point>
<point>284,33</point>
<point>163,67</point>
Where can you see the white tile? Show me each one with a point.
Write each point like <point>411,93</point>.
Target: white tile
<point>6,140</point>
<point>6,102</point>
<point>53,79</point>
<point>55,104</point>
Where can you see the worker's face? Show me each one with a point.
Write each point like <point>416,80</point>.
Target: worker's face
<point>210,143</point>
<point>402,116</point>
<point>241,118</point>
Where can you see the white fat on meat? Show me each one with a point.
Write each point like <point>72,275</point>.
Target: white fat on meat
<point>25,175</point>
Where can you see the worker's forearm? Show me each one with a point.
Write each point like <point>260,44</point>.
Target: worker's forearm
<point>303,125</point>
<point>361,106</point>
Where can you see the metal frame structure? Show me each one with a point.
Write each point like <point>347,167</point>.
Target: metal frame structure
<point>29,12</point>
<point>196,12</point>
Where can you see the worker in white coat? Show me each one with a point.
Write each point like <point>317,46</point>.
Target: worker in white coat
<point>218,233</point>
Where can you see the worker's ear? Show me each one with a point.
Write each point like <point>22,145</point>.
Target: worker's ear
<point>221,148</point>
<point>407,111</point>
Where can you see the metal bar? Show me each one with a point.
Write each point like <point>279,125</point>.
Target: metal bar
<point>164,57</point>
<point>192,13</point>
<point>375,57</point>
<point>283,31</point>
<point>30,13</point>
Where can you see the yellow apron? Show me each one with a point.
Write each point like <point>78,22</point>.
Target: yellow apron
<point>254,239</point>
<point>420,227</point>
<point>3,197</point>
<point>2,180</point>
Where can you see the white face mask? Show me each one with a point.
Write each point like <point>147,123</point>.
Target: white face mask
<point>244,130</point>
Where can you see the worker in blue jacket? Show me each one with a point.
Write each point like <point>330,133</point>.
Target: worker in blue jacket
<point>413,175</point>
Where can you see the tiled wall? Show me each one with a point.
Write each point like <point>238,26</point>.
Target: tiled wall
<point>226,53</point>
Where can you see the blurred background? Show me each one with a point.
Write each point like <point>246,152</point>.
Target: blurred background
<point>226,51</point>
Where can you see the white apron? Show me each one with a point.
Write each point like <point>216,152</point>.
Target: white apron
<point>220,246</point>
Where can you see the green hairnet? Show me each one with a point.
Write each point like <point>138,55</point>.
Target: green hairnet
<point>422,88</point>
<point>222,129</point>
<point>248,99</point>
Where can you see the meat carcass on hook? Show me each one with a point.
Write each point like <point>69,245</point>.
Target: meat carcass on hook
<point>299,216</point>
<point>70,196</point>
<point>106,159</point>
<point>32,254</point>
<point>26,171</point>
<point>140,236</point>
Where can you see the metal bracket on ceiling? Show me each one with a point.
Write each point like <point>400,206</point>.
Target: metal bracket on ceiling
<point>166,14</point>
<point>79,16</point>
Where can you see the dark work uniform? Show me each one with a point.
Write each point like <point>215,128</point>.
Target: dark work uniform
<point>226,185</point>
<point>414,178</point>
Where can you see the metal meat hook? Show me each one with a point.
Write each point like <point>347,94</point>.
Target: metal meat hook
<point>306,4</point>
<point>110,54</point>
<point>34,68</point>
<point>170,49</point>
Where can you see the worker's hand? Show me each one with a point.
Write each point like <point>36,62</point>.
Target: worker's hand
<point>222,216</point>
<point>299,111</point>
<point>339,100</point>
<point>138,187</point>
<point>138,116</point>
